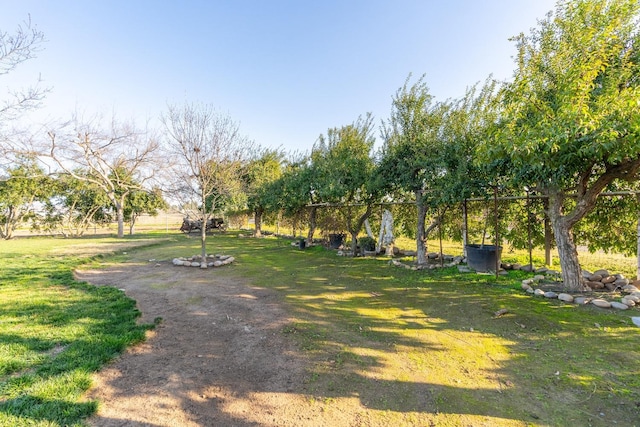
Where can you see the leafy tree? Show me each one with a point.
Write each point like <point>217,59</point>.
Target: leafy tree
<point>346,164</point>
<point>21,187</point>
<point>411,159</point>
<point>208,155</point>
<point>570,117</point>
<point>140,202</point>
<point>261,171</point>
<point>74,205</point>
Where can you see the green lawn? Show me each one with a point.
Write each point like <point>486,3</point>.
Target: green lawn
<point>54,332</point>
<point>415,347</point>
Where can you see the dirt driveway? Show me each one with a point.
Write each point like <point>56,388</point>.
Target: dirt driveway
<point>218,358</point>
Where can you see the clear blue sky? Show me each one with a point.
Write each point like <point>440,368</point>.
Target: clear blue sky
<point>285,70</point>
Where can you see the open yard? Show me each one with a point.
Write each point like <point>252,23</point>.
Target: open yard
<point>285,337</point>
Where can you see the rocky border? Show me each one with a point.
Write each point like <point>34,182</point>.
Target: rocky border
<point>211,260</point>
<point>630,299</point>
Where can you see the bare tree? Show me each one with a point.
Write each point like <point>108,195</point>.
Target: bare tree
<point>208,152</point>
<point>118,160</point>
<point>16,48</point>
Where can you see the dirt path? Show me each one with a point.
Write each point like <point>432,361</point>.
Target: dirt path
<point>218,358</point>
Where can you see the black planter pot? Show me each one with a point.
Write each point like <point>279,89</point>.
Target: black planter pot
<point>336,240</point>
<point>302,244</point>
<point>483,258</point>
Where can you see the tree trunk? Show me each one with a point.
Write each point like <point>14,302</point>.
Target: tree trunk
<point>257,219</point>
<point>547,235</point>
<point>203,243</point>
<point>132,223</point>
<point>638,242</point>
<point>354,228</point>
<point>313,211</point>
<point>421,238</point>
<point>569,263</point>
<point>120,218</point>
<point>203,231</point>
<point>354,243</point>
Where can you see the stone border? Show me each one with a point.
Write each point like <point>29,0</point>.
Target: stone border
<point>631,299</point>
<point>211,260</point>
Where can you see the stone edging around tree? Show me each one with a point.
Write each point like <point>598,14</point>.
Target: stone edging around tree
<point>630,299</point>
<point>196,261</point>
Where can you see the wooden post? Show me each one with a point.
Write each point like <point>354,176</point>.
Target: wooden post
<point>465,231</point>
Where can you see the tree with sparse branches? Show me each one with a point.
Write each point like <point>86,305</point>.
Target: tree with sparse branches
<point>208,155</point>
<point>16,48</point>
<point>118,160</point>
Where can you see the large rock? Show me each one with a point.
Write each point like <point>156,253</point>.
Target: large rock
<point>619,305</point>
<point>621,282</point>
<point>633,298</point>
<point>538,292</point>
<point>552,273</point>
<point>550,294</point>
<point>595,278</point>
<point>602,272</point>
<point>581,300</point>
<point>628,302</point>
<point>565,297</point>
<point>608,279</point>
<point>595,285</point>
<point>599,302</point>
<point>630,288</point>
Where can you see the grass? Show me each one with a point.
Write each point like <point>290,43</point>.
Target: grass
<point>413,347</point>
<point>55,332</point>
